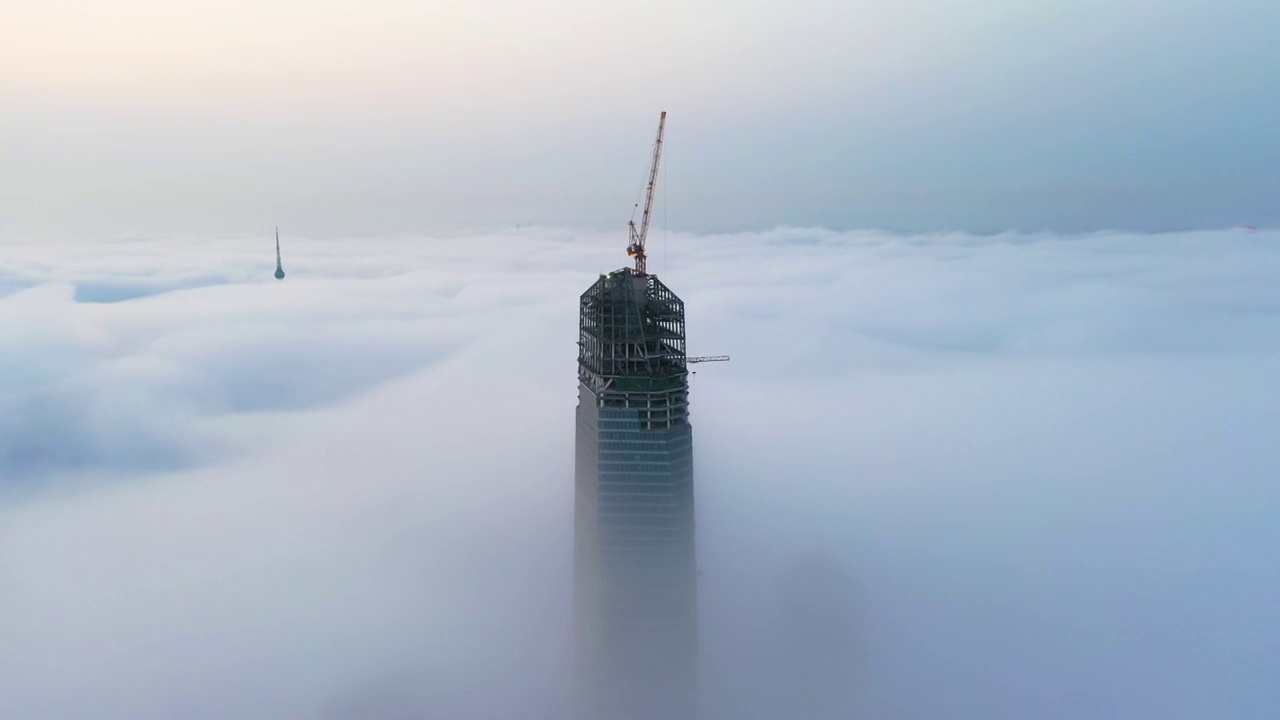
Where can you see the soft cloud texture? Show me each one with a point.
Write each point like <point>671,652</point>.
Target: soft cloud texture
<point>943,476</point>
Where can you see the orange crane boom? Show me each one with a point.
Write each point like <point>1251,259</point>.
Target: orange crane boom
<point>635,247</point>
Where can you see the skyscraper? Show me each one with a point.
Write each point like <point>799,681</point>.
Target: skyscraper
<point>634,509</point>
<point>636,572</point>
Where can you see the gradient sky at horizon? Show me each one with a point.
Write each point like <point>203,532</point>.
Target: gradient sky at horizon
<point>331,117</point>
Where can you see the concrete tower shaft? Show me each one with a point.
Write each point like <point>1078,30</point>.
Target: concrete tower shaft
<point>636,587</point>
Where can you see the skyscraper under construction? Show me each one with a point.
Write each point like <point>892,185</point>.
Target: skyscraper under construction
<point>636,572</point>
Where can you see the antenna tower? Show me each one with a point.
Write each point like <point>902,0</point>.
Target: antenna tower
<point>279,265</point>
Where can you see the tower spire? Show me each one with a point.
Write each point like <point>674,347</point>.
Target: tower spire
<point>279,265</point>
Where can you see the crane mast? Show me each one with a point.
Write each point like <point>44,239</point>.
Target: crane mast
<point>635,247</point>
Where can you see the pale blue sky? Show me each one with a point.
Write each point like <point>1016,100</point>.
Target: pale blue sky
<point>330,117</point>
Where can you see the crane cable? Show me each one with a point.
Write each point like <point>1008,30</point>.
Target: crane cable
<point>664,216</point>
<point>644,185</point>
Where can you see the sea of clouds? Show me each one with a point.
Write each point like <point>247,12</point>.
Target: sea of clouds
<point>945,476</point>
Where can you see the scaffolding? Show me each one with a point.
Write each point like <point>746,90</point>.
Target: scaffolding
<point>631,347</point>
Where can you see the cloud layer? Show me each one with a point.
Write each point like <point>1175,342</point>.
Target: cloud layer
<point>943,476</point>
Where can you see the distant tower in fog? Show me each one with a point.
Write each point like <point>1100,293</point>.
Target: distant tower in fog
<point>279,266</point>
<point>635,555</point>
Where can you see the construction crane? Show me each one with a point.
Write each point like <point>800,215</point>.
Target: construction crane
<point>635,247</point>
<point>705,358</point>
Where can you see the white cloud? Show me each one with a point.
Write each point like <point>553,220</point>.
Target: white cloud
<point>945,476</point>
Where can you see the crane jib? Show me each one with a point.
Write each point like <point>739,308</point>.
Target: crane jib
<point>636,246</point>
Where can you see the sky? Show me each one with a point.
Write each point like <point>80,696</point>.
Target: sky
<point>943,475</point>
<point>391,116</point>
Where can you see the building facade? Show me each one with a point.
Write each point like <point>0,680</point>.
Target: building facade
<point>635,564</point>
